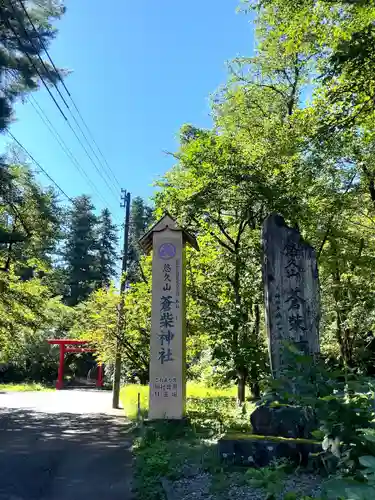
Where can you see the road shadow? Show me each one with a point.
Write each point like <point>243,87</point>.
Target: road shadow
<point>63,456</point>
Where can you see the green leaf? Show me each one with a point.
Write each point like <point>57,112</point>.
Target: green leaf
<point>367,461</point>
<point>369,437</point>
<point>348,489</point>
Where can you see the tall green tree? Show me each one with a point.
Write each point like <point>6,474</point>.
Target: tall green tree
<point>336,146</point>
<point>30,221</point>
<point>21,50</point>
<point>107,247</point>
<point>226,182</point>
<point>201,193</point>
<point>81,251</point>
<point>141,218</point>
<point>339,36</point>
<point>26,308</point>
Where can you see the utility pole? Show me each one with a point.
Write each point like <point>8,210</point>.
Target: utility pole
<point>125,203</point>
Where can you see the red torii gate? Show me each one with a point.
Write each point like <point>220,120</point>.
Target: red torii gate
<point>71,345</point>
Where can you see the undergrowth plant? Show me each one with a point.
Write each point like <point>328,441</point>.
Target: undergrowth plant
<point>164,450</point>
<point>342,404</point>
<point>270,479</point>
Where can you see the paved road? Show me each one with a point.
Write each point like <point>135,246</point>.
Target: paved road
<point>64,445</point>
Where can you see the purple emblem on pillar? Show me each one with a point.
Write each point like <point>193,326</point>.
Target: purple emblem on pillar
<point>167,251</point>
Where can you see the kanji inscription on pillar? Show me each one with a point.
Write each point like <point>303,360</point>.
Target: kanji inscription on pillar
<point>291,285</point>
<point>168,320</point>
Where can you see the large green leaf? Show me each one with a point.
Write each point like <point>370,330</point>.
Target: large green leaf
<point>369,437</point>
<point>367,461</point>
<point>348,489</point>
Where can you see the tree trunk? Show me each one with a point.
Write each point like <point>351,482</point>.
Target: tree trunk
<point>370,181</point>
<point>143,377</point>
<point>255,390</point>
<point>340,334</point>
<point>255,367</point>
<point>241,386</point>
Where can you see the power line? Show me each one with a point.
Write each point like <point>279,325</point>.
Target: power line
<point>39,166</point>
<point>43,170</point>
<point>66,89</point>
<point>42,115</point>
<point>52,96</point>
<point>93,139</point>
<point>8,23</point>
<point>50,93</point>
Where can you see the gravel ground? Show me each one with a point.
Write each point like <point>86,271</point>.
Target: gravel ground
<point>198,487</point>
<point>302,484</point>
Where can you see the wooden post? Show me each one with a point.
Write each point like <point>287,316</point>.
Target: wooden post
<point>121,312</point>
<point>60,375</point>
<point>139,407</point>
<point>99,382</point>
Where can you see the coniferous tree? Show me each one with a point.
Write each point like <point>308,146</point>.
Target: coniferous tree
<point>141,217</point>
<point>81,251</point>
<point>108,242</point>
<point>21,48</point>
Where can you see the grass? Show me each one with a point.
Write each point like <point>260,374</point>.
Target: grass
<point>129,396</point>
<point>129,399</point>
<point>26,387</point>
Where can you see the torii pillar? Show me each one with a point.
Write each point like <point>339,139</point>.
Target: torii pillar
<point>168,319</point>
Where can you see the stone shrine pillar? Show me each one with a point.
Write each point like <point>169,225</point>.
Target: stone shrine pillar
<point>291,288</point>
<point>168,320</point>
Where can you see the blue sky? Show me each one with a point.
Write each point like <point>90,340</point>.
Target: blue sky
<point>139,71</point>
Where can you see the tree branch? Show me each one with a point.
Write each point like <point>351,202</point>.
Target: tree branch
<point>271,87</point>
<point>223,229</point>
<point>332,218</point>
<point>142,272</point>
<point>292,97</point>
<point>241,229</point>
<point>219,240</point>
<point>169,153</point>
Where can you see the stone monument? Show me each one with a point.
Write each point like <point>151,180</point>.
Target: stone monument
<point>168,320</point>
<point>291,287</point>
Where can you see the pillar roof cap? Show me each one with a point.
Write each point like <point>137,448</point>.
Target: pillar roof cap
<point>163,224</point>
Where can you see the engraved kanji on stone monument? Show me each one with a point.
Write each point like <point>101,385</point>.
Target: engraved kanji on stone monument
<point>291,287</point>
<point>168,318</point>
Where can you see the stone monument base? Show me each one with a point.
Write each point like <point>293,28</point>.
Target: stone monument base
<point>284,421</point>
<point>250,450</point>
<point>279,431</point>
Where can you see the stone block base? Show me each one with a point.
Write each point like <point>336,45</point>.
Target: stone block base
<point>259,451</point>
